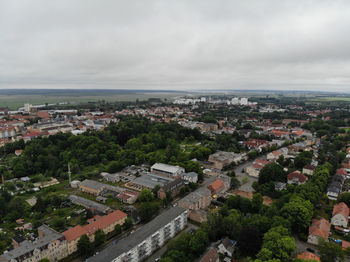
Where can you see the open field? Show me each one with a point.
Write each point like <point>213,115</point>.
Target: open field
<point>331,99</point>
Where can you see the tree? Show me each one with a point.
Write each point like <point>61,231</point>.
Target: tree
<point>146,196</point>
<point>85,247</point>
<point>344,197</point>
<point>277,244</point>
<point>117,229</point>
<point>272,172</point>
<point>100,237</point>
<point>257,202</point>
<point>250,240</point>
<point>178,256</point>
<point>147,210</point>
<point>330,252</point>
<point>199,242</point>
<point>44,260</point>
<point>128,223</point>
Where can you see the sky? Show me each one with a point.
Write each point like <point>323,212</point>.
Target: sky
<point>176,45</point>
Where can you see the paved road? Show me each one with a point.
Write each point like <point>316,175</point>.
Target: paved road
<point>238,170</point>
<point>160,252</point>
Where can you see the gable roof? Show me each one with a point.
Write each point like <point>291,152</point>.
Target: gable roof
<point>211,256</point>
<point>308,256</point>
<point>216,185</point>
<point>342,209</point>
<point>320,228</point>
<point>297,175</point>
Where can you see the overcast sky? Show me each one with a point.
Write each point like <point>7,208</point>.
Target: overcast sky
<point>175,44</point>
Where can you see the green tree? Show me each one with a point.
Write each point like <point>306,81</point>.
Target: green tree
<point>147,210</point>
<point>257,202</point>
<point>330,252</point>
<point>100,237</point>
<point>272,172</point>
<point>117,229</point>
<point>128,223</point>
<point>85,247</point>
<point>146,195</point>
<point>199,242</point>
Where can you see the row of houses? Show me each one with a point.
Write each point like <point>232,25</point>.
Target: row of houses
<point>55,246</point>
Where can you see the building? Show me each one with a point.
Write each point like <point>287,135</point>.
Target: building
<point>221,159</point>
<point>308,170</point>
<point>191,177</point>
<point>89,204</point>
<point>319,229</point>
<point>110,177</point>
<point>340,215</point>
<point>91,187</point>
<point>145,240</point>
<point>128,197</point>
<point>173,187</point>
<point>217,187</point>
<point>211,256</point>
<point>105,223</point>
<point>49,244</point>
<point>148,181</point>
<point>335,187</point>
<point>254,169</point>
<point>167,170</point>
<point>296,177</point>
<point>308,256</point>
<point>198,199</point>
<point>226,247</point>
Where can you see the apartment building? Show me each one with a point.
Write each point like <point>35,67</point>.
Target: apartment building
<point>49,244</point>
<point>146,239</point>
<point>105,223</point>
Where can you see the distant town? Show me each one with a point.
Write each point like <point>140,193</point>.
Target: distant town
<point>207,178</point>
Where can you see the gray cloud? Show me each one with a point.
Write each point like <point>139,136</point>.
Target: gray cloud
<point>198,44</point>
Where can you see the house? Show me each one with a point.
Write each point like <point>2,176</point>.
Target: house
<point>167,170</point>
<point>254,169</point>
<point>146,239</point>
<point>274,155</point>
<point>279,186</point>
<point>340,215</point>
<point>308,170</point>
<point>308,256</point>
<point>226,247</point>
<point>341,172</point>
<point>216,187</point>
<point>191,177</point>
<point>105,223</point>
<point>211,256</point>
<point>335,187</point>
<point>319,229</point>
<point>173,187</point>
<point>296,177</point>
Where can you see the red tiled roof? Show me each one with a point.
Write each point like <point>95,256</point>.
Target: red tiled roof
<point>211,256</point>
<point>297,174</point>
<point>103,222</point>
<point>310,167</point>
<point>216,185</point>
<point>341,171</point>
<point>320,228</point>
<point>308,256</point>
<point>43,114</point>
<point>341,208</point>
<point>345,244</point>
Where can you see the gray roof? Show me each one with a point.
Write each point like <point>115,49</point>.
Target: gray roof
<point>29,246</point>
<point>128,243</point>
<point>92,184</point>
<point>167,168</point>
<point>151,180</point>
<point>196,195</point>
<point>190,174</point>
<point>89,203</point>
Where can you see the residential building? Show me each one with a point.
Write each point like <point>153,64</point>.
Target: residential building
<point>145,240</point>
<point>226,247</point>
<point>167,170</point>
<point>198,199</point>
<point>255,168</point>
<point>296,177</point>
<point>340,215</point>
<point>49,244</point>
<point>308,170</point>
<point>319,229</point>
<point>308,256</point>
<point>105,223</point>
<point>128,197</point>
<point>211,256</point>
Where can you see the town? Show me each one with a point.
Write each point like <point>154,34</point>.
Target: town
<point>210,178</point>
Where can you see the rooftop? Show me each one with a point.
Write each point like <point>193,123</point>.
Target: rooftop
<point>166,168</point>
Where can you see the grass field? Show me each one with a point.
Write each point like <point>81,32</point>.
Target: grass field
<point>16,101</point>
<point>331,99</point>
